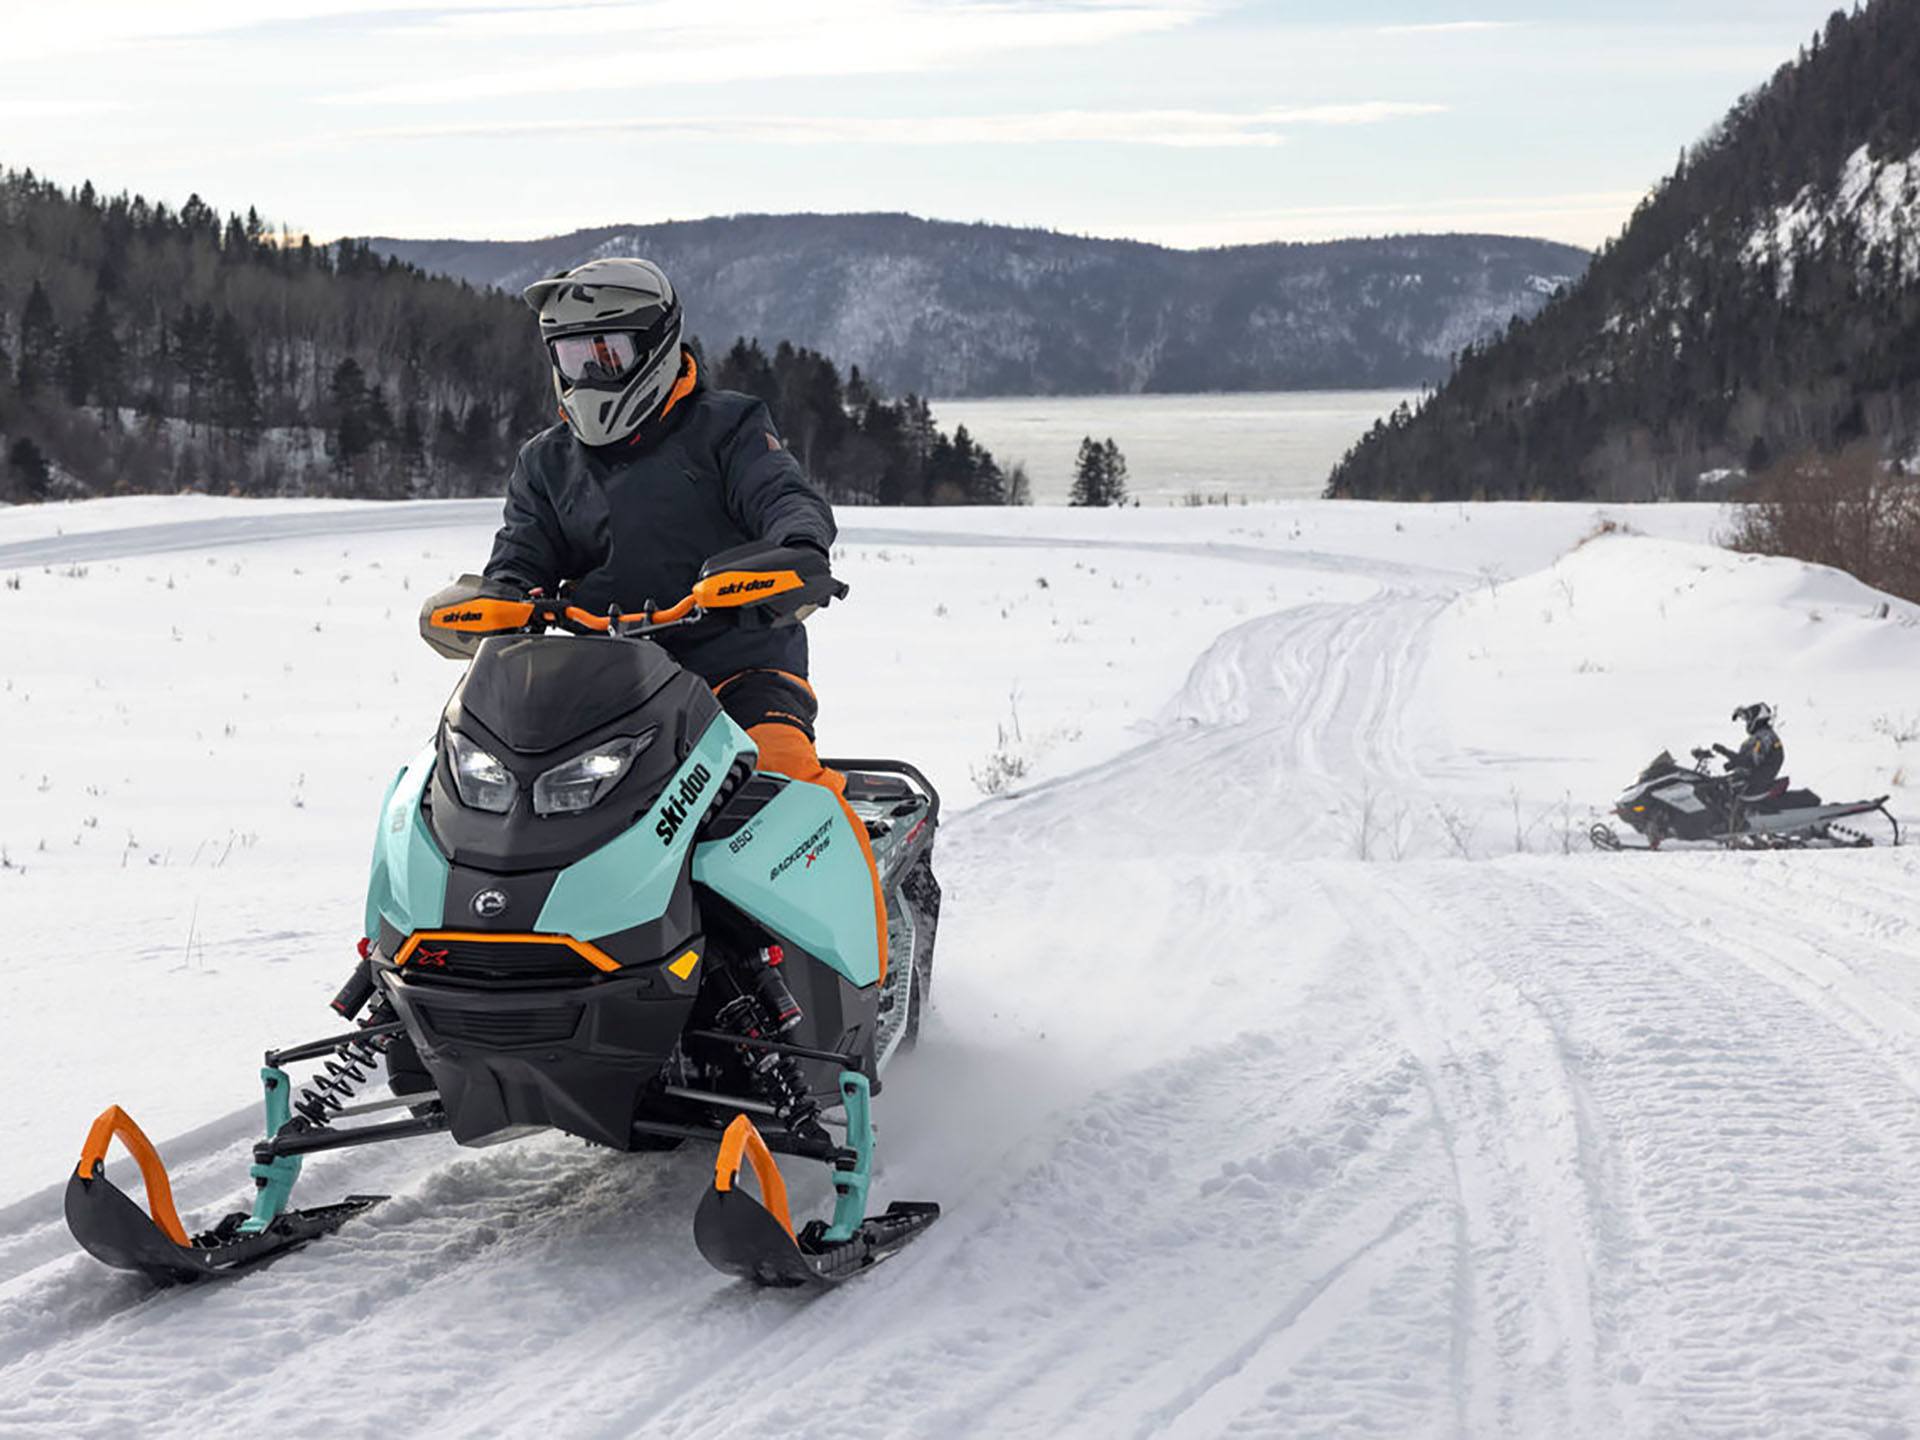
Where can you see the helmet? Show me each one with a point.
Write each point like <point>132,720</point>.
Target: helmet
<point>612,331</point>
<point>1756,716</point>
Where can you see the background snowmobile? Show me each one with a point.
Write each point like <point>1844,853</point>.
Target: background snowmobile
<point>1671,801</point>
<point>588,911</point>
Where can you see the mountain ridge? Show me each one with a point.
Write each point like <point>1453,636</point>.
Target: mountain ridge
<point>969,308</point>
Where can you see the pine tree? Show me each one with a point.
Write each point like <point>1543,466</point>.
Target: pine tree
<point>1115,465</point>
<point>28,466</point>
<point>352,430</point>
<point>39,341</point>
<point>1099,474</point>
<point>107,358</point>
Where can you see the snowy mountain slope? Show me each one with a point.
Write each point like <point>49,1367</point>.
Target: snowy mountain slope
<point>1760,305</point>
<point>1237,1132</point>
<point>949,309</point>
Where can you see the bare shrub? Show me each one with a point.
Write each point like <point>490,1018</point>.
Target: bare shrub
<point>1603,526</point>
<point>1848,510</point>
<point>1901,729</point>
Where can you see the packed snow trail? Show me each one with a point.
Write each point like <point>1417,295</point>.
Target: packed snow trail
<point>1237,1134</point>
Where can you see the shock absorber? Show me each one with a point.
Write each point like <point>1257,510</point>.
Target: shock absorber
<point>776,1000</point>
<point>777,1077</point>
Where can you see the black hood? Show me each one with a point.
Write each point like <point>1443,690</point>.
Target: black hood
<point>538,692</point>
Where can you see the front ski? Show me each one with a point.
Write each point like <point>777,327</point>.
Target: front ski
<point>755,1239</point>
<point>117,1232</point>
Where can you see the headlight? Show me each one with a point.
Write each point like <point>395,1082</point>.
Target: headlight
<point>483,782</point>
<point>585,780</point>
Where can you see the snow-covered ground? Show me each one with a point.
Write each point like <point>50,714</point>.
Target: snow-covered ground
<point>1296,1068</point>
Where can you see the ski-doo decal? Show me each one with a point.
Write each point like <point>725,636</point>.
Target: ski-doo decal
<point>409,882</point>
<point>483,616</point>
<point>804,875</point>
<point>632,877</point>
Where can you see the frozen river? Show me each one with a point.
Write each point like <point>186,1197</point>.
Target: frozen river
<point>1264,446</point>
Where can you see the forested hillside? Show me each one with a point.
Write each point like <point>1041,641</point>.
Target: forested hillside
<point>949,309</point>
<point>1764,302</point>
<point>146,349</point>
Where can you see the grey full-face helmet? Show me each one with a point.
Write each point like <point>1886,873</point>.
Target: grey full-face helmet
<point>612,331</point>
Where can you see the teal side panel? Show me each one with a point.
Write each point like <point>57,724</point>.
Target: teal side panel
<point>797,868</point>
<point>630,880</point>
<point>409,881</point>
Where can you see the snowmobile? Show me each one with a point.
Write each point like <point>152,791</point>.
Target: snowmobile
<point>590,912</point>
<point>1671,801</point>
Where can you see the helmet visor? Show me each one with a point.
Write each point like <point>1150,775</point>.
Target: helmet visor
<point>596,359</point>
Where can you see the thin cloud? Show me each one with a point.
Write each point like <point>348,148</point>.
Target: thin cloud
<point>1448,27</point>
<point>763,40</point>
<point>1191,129</point>
<point>16,110</point>
<point>38,32</point>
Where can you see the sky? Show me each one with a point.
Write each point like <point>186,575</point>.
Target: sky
<point>1186,122</point>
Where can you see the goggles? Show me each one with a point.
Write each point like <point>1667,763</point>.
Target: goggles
<point>595,359</point>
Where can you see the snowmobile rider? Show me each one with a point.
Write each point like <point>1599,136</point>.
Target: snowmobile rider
<point>1754,767</point>
<point>652,473</point>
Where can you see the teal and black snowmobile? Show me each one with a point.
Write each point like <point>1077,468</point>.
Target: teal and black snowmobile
<point>589,911</point>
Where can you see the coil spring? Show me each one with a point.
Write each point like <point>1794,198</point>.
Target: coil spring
<point>327,1093</point>
<point>777,1077</point>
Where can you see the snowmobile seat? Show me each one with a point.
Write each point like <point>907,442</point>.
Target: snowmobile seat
<point>866,785</point>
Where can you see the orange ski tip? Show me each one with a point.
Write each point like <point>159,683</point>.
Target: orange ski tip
<point>743,1140</point>
<point>114,1121</point>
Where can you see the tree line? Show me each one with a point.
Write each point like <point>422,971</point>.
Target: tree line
<point>145,349</point>
<point>860,447</point>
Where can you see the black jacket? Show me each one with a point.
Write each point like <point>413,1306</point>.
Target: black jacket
<point>1757,763</point>
<point>629,524</point>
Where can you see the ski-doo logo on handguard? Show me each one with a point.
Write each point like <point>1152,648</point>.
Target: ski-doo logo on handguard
<point>460,617</point>
<point>673,814</point>
<point>745,587</point>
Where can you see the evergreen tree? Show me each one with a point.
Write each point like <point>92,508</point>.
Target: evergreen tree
<point>1089,474</point>
<point>39,341</point>
<point>106,358</point>
<point>1099,474</point>
<point>238,403</point>
<point>352,426</point>
<point>1115,465</point>
<point>27,464</point>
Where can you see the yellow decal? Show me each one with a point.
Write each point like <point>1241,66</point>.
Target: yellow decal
<point>682,968</point>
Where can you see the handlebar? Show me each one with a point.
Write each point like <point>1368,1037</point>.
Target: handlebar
<point>784,589</point>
